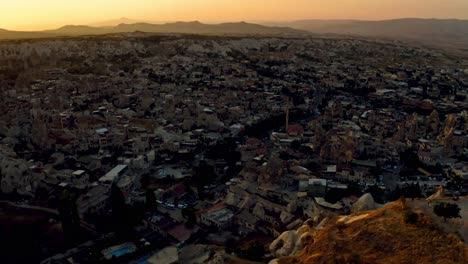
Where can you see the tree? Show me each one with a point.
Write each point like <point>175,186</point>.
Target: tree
<point>410,217</point>
<point>410,160</point>
<point>69,215</point>
<point>204,174</point>
<point>447,210</point>
<point>151,203</point>
<point>230,245</point>
<point>190,215</point>
<point>119,214</point>
<point>255,252</point>
<point>117,200</point>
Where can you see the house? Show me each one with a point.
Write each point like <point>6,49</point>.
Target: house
<point>425,156</point>
<point>343,173</point>
<point>246,221</point>
<point>219,216</point>
<point>103,137</point>
<point>361,171</point>
<point>330,172</point>
<point>295,130</point>
<point>160,223</point>
<point>361,174</point>
<point>316,187</point>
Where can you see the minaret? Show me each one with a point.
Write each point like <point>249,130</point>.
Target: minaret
<point>287,113</point>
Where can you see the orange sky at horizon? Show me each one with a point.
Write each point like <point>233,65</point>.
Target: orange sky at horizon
<point>48,14</point>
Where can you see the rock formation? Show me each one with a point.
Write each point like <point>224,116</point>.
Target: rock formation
<point>290,242</point>
<point>365,203</point>
<point>433,123</point>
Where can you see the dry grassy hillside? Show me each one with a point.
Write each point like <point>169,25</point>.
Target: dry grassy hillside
<point>382,236</point>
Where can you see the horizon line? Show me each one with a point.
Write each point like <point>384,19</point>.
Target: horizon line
<point>215,22</point>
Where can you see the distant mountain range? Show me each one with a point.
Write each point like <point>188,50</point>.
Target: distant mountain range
<point>433,32</point>
<point>447,33</point>
<point>195,27</point>
<point>115,22</point>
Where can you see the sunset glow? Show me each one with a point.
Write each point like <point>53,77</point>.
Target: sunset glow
<point>35,15</point>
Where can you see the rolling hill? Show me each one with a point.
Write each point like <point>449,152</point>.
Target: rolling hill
<point>432,32</point>
<point>8,34</point>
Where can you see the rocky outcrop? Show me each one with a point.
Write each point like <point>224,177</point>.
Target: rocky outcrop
<point>433,123</point>
<point>365,203</point>
<point>447,130</point>
<point>290,242</point>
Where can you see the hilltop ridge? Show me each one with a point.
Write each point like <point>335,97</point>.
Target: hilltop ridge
<point>381,236</point>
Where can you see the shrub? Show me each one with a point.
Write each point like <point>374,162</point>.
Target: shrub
<point>410,217</point>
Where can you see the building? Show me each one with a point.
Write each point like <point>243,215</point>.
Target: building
<point>113,174</point>
<point>219,217</point>
<point>316,187</point>
<point>160,223</point>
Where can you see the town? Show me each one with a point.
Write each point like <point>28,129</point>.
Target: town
<point>201,149</point>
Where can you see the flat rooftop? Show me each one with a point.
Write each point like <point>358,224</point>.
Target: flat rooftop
<point>114,173</point>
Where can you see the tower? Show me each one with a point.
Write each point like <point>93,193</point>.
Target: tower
<point>287,113</point>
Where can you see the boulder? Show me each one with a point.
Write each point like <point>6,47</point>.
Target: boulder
<point>365,203</point>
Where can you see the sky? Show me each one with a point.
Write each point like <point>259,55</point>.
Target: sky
<point>48,14</point>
